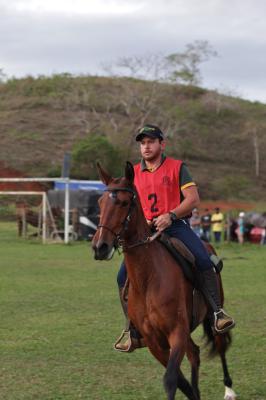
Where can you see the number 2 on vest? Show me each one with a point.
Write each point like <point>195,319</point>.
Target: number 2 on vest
<point>153,196</point>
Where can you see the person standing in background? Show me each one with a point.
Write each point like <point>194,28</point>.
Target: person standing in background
<point>240,228</point>
<point>263,237</point>
<point>206,225</point>
<point>217,220</point>
<point>194,222</point>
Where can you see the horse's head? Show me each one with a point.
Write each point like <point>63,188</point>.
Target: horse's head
<point>116,205</point>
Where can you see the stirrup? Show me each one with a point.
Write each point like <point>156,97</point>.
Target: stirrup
<point>131,342</point>
<point>125,334</point>
<point>227,328</point>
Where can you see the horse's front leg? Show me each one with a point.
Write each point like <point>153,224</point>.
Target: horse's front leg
<point>161,354</point>
<point>174,378</point>
<point>193,354</point>
<point>157,345</point>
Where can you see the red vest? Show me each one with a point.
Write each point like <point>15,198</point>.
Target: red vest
<point>159,191</point>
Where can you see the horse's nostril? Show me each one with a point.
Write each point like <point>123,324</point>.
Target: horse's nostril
<point>101,251</point>
<point>104,248</point>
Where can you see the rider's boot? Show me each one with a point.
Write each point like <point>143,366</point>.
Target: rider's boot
<point>130,339</point>
<point>222,321</point>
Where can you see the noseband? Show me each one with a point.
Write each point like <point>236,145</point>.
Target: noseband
<point>124,227</point>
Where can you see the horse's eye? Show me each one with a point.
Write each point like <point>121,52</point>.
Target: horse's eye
<point>113,195</point>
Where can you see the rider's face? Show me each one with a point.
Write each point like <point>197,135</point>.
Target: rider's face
<point>151,149</point>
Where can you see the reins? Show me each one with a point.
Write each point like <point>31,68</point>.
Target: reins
<point>147,240</point>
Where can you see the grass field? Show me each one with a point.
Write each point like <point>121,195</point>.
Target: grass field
<point>60,314</point>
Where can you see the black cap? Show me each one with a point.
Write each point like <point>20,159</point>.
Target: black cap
<point>151,131</point>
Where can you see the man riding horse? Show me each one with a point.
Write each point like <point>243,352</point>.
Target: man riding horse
<point>168,194</point>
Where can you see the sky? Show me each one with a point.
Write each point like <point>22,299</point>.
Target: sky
<point>43,37</point>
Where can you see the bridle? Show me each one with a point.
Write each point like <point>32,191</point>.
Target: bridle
<point>119,241</point>
<point>124,227</point>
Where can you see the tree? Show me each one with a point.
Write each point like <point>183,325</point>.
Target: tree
<point>256,152</point>
<point>142,96</point>
<point>141,106</point>
<point>149,66</point>
<point>254,130</point>
<point>180,67</point>
<point>184,67</point>
<point>138,96</point>
<point>92,149</point>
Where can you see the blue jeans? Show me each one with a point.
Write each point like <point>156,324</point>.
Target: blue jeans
<point>206,234</point>
<point>182,231</point>
<point>217,236</point>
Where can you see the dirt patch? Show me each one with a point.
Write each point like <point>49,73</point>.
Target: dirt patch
<point>227,205</point>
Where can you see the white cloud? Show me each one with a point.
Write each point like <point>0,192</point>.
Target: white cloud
<point>42,37</point>
<point>91,7</point>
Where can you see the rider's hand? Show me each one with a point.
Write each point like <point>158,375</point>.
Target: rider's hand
<point>162,222</point>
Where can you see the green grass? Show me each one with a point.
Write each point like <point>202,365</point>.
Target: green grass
<point>60,315</point>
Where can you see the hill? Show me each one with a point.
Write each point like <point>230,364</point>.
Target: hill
<point>221,138</point>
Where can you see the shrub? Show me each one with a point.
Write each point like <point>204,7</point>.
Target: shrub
<point>95,148</point>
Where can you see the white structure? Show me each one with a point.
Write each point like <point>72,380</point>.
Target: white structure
<point>44,199</point>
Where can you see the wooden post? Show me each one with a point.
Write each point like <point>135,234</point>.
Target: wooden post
<point>24,221</point>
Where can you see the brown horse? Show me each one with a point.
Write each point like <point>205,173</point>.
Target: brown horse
<point>160,297</point>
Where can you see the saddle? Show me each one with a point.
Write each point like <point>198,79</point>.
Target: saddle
<point>182,255</point>
<point>186,259</point>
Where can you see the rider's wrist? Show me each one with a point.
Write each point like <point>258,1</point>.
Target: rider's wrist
<point>172,216</point>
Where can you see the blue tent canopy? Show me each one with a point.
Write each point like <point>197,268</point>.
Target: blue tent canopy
<point>80,185</point>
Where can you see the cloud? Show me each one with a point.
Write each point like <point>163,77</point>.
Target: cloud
<point>92,7</point>
<point>76,36</point>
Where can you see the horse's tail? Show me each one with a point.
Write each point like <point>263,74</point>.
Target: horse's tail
<point>218,343</point>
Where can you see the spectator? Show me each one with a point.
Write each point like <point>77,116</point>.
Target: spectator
<point>263,237</point>
<point>206,225</point>
<point>232,230</point>
<point>195,222</point>
<point>217,220</point>
<point>240,227</point>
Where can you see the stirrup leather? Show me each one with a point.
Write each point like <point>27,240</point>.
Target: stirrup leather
<point>227,328</point>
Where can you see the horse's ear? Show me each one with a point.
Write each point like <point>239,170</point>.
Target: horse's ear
<point>129,172</point>
<point>104,176</point>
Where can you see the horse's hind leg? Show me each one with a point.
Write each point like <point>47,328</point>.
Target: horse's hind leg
<point>174,377</point>
<point>193,354</point>
<point>221,345</point>
<point>229,392</point>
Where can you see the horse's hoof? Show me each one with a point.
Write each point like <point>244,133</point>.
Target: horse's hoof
<point>229,394</point>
